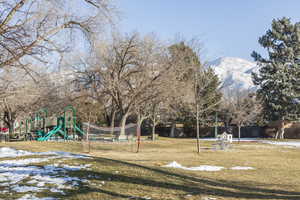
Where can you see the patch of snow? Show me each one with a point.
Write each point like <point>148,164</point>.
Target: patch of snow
<point>75,168</point>
<point>241,168</point>
<point>10,152</point>
<point>54,190</point>
<point>39,178</point>
<point>33,197</point>
<point>25,188</point>
<point>208,198</point>
<point>293,144</point>
<point>234,139</point>
<point>206,168</point>
<point>24,162</point>
<point>66,154</point>
<point>174,164</point>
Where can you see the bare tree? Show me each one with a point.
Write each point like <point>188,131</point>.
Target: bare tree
<point>30,32</point>
<point>155,114</point>
<point>124,72</point>
<point>23,95</point>
<point>244,107</point>
<point>30,29</point>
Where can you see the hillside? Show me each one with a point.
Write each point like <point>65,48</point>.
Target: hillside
<point>235,73</point>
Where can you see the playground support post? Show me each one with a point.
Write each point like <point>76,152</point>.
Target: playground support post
<point>71,108</point>
<point>27,129</point>
<point>41,115</point>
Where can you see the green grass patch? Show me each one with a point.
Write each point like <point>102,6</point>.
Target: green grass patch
<point>118,172</point>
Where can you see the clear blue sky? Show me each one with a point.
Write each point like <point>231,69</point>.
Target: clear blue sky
<point>226,27</point>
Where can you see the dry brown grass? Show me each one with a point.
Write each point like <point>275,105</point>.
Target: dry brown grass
<point>128,174</point>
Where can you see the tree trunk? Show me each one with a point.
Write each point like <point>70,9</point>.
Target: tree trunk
<point>197,126</point>
<point>153,130</point>
<point>10,125</point>
<point>239,127</point>
<point>107,118</point>
<point>276,134</point>
<point>112,124</point>
<point>216,125</point>
<point>282,133</point>
<point>172,133</point>
<point>138,132</point>
<point>9,120</point>
<point>122,135</point>
<point>138,136</point>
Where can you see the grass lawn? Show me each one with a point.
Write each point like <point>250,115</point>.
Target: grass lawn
<point>117,172</point>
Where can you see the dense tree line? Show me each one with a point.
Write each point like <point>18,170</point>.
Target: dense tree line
<point>132,77</point>
<point>137,77</point>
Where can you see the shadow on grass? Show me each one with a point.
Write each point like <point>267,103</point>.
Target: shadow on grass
<point>191,185</point>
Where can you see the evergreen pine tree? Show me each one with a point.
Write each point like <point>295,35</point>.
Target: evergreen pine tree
<point>279,74</point>
<point>205,83</point>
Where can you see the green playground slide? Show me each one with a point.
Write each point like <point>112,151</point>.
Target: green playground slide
<point>40,133</point>
<point>58,129</point>
<point>51,133</point>
<point>79,130</point>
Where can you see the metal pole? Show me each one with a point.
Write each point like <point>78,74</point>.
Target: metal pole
<point>64,122</point>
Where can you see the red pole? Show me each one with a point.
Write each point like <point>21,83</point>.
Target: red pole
<point>138,132</point>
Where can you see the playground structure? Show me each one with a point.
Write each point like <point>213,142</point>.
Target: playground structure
<point>224,141</point>
<point>41,127</point>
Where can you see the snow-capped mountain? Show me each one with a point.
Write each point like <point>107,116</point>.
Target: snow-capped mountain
<point>235,73</point>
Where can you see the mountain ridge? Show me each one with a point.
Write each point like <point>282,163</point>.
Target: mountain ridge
<point>234,73</point>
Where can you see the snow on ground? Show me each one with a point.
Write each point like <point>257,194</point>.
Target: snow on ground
<point>21,176</point>
<point>174,164</point>
<point>241,168</point>
<point>291,143</point>
<point>286,143</point>
<point>33,197</point>
<point>10,152</point>
<point>234,139</point>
